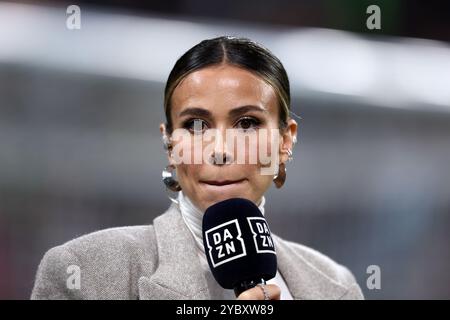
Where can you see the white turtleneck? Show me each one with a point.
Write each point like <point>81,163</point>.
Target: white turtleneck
<point>193,217</point>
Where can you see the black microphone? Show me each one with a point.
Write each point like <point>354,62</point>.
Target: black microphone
<point>238,245</point>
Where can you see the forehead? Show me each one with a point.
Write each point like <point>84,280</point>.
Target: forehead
<point>219,88</point>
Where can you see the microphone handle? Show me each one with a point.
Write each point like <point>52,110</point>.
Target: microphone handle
<point>247,284</point>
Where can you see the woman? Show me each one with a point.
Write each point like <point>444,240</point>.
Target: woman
<point>221,85</point>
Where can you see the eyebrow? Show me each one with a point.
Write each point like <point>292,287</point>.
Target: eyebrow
<point>200,112</point>
<point>240,110</point>
<point>197,112</point>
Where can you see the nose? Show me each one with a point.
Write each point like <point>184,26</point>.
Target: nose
<point>220,155</point>
<point>220,158</point>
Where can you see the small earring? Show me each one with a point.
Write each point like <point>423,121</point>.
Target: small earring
<point>168,178</point>
<point>290,157</point>
<point>280,177</point>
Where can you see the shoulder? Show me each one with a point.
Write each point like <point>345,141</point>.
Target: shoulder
<point>320,267</point>
<point>106,261</point>
<point>113,243</point>
<point>322,263</point>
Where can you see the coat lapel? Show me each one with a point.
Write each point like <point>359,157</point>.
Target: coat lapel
<point>179,274</point>
<point>305,281</point>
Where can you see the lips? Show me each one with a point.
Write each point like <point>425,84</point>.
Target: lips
<point>222,182</point>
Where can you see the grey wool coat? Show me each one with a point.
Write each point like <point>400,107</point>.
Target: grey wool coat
<point>160,261</point>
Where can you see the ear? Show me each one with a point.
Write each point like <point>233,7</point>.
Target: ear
<point>166,141</point>
<point>288,136</point>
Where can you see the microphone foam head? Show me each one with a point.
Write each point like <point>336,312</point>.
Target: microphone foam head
<point>238,243</point>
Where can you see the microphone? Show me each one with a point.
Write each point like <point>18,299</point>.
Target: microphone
<point>238,245</point>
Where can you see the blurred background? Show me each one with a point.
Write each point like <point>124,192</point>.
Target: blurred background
<point>80,148</point>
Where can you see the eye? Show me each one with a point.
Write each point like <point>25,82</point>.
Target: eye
<point>195,125</point>
<point>248,123</point>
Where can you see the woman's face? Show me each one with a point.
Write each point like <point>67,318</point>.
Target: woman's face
<point>220,98</point>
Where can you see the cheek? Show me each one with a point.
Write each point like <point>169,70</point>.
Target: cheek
<point>181,152</point>
<point>186,175</point>
<point>258,183</point>
<point>267,145</point>
<point>259,178</point>
<point>254,148</point>
<point>189,149</point>
<point>189,170</point>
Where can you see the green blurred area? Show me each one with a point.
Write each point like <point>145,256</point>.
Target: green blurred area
<point>351,15</point>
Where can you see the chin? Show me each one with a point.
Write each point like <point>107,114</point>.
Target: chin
<point>208,194</point>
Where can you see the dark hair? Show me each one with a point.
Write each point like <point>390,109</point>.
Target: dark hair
<point>240,52</point>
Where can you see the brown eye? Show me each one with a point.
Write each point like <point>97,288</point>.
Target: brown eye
<point>248,123</point>
<point>195,125</point>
